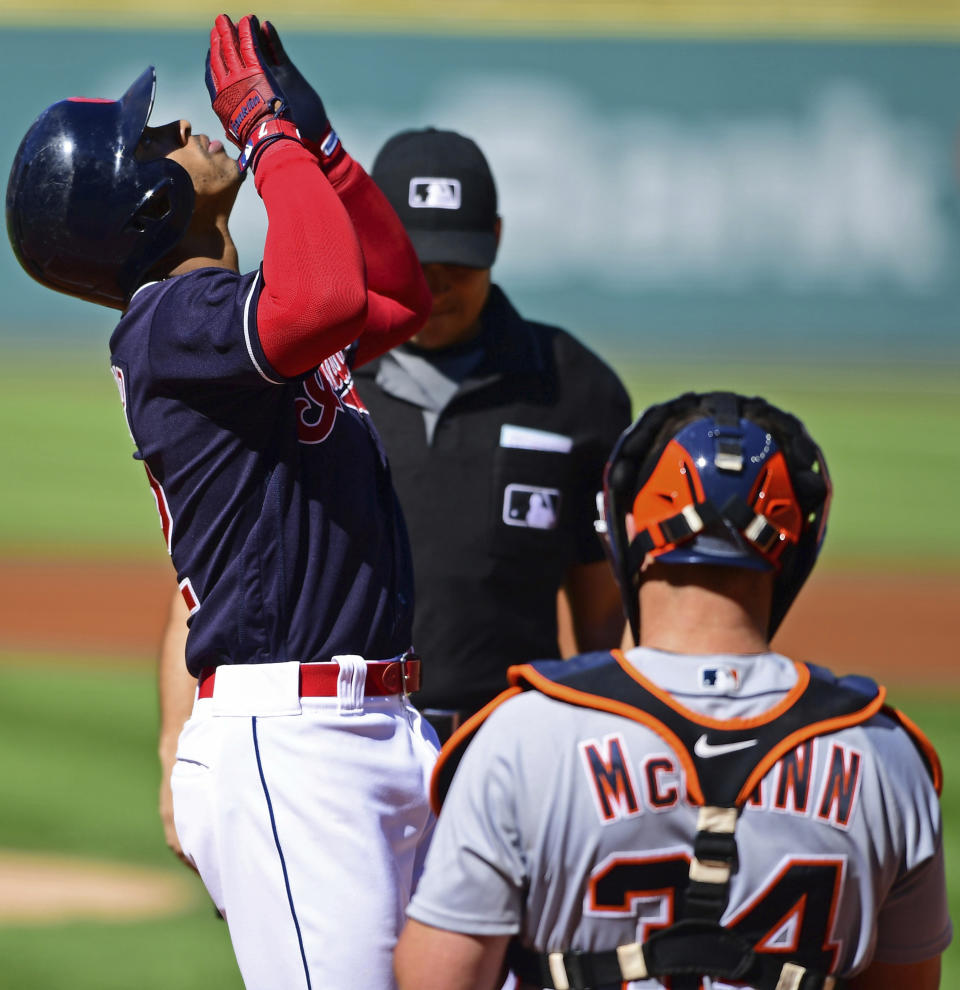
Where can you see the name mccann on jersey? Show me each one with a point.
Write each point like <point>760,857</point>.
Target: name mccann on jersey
<point>794,786</point>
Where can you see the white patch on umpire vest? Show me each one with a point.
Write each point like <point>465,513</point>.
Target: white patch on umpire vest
<point>427,193</point>
<point>527,438</point>
<point>531,507</point>
<point>721,679</point>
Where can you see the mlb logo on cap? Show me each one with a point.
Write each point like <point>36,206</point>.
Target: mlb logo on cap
<point>442,189</point>
<point>435,194</point>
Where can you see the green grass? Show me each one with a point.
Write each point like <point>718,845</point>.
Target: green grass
<point>935,711</point>
<point>889,433</point>
<point>79,770</point>
<point>189,952</point>
<point>77,757</point>
<point>93,731</point>
<point>70,481</point>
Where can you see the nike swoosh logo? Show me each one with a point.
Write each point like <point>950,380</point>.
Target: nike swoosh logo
<point>705,750</point>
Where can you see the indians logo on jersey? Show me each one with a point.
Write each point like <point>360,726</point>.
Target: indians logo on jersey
<point>326,392</point>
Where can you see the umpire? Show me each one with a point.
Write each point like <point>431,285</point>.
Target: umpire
<point>497,429</point>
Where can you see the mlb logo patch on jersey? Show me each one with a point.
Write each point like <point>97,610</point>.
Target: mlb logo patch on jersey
<point>434,194</point>
<point>531,507</point>
<point>722,679</point>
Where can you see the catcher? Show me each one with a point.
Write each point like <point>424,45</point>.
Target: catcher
<point>699,812</point>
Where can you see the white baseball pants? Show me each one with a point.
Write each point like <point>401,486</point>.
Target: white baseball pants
<point>308,820</point>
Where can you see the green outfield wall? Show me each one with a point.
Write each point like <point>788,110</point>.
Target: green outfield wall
<point>724,185</point>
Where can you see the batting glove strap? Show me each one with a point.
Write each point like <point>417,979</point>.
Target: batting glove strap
<point>328,145</point>
<point>240,115</point>
<point>267,131</point>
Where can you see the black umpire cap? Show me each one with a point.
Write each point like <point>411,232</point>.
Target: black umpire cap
<point>443,191</point>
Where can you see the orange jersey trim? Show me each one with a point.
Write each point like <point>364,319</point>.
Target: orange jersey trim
<point>526,672</point>
<point>459,738</point>
<point>803,679</point>
<point>822,728</point>
<point>923,744</point>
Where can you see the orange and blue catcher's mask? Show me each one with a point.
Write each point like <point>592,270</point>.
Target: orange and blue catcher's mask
<point>720,490</point>
<point>718,495</point>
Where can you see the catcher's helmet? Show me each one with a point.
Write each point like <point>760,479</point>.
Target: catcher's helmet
<point>716,478</point>
<point>84,216</point>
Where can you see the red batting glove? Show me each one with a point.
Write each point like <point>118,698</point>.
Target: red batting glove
<point>305,104</point>
<point>241,89</point>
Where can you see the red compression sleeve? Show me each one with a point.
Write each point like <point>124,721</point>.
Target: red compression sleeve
<point>314,299</point>
<point>398,298</point>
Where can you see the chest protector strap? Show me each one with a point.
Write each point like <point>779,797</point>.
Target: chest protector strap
<point>723,763</point>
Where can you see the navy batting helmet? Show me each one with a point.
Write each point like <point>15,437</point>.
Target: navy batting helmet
<point>84,216</point>
<point>716,478</point>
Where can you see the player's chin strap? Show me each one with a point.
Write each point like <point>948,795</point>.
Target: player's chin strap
<point>695,946</point>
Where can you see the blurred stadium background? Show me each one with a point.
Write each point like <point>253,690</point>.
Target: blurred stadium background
<point>762,195</point>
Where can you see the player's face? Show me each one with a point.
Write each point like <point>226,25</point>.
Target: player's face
<point>213,171</point>
<point>459,294</point>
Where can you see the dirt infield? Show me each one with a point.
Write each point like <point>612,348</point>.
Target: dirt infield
<point>45,888</point>
<point>899,629</point>
<point>94,613</point>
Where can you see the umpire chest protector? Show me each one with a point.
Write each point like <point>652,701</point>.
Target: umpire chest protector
<point>739,756</point>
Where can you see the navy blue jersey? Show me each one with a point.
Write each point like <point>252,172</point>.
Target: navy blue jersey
<point>274,494</point>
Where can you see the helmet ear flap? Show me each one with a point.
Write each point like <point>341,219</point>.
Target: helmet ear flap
<point>810,479</point>
<point>158,221</point>
<point>811,491</point>
<point>155,206</point>
<point>628,468</point>
<point>623,474</point>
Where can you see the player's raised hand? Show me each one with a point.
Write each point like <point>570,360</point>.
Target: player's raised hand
<point>305,105</point>
<point>241,88</point>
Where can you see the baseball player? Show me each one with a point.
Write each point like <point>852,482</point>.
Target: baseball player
<point>300,784</point>
<point>698,812</point>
